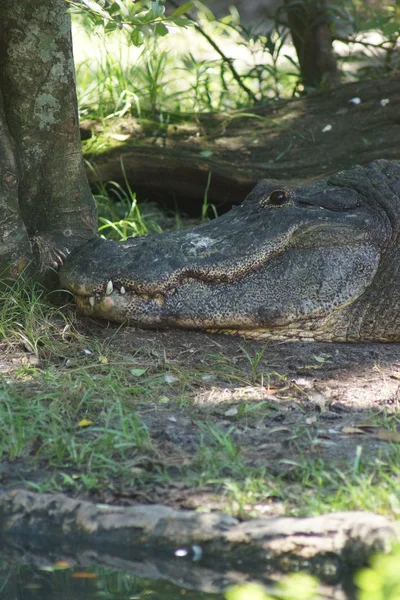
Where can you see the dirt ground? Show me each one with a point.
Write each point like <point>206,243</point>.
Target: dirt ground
<point>332,402</point>
<point>281,404</point>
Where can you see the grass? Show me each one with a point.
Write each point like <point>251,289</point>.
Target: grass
<point>87,415</point>
<point>164,78</point>
<point>183,73</point>
<point>120,216</point>
<point>30,322</point>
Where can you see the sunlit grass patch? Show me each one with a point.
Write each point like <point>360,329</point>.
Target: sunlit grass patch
<point>46,432</point>
<point>181,72</point>
<point>120,216</point>
<point>29,321</point>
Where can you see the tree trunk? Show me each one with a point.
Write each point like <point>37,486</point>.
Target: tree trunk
<point>46,200</point>
<point>310,28</point>
<point>15,249</point>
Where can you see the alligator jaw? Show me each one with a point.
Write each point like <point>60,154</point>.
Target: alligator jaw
<point>115,305</point>
<point>116,301</point>
<point>109,307</point>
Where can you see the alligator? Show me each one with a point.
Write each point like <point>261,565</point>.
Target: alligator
<point>319,262</point>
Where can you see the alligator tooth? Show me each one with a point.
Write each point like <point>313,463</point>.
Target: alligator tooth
<point>92,301</point>
<point>159,298</point>
<point>122,290</point>
<point>109,288</point>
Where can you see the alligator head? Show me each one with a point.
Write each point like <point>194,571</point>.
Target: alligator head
<point>317,262</point>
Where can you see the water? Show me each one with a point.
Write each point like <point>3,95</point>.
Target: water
<point>64,568</point>
<point>58,582</point>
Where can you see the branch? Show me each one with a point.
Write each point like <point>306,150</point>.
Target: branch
<point>225,58</point>
<point>363,43</point>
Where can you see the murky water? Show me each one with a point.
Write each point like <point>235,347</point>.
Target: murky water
<point>37,568</point>
<point>60,582</point>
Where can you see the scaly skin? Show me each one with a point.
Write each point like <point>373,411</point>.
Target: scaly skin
<point>320,262</point>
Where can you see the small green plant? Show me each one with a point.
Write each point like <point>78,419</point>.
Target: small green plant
<point>297,586</point>
<point>124,218</point>
<point>120,215</point>
<point>380,581</point>
<point>254,362</point>
<point>206,207</point>
<point>269,65</point>
<point>28,320</point>
<point>223,441</point>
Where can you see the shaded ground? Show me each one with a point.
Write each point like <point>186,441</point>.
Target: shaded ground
<point>281,407</point>
<point>315,402</point>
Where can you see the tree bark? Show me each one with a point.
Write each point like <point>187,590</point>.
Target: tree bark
<point>15,248</point>
<point>37,81</point>
<point>310,28</point>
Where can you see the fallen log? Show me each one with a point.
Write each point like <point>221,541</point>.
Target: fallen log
<point>322,544</point>
<point>291,141</point>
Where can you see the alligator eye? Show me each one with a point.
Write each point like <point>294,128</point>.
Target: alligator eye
<point>276,198</point>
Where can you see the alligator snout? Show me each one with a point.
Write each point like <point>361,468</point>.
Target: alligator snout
<point>317,262</point>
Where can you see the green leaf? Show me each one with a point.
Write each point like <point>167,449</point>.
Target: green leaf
<point>137,37</point>
<point>95,8</point>
<point>156,9</point>
<point>111,26</point>
<point>163,400</point>
<point>322,358</point>
<point>114,8</point>
<point>96,20</point>
<point>160,29</point>
<point>390,28</point>
<point>143,18</point>
<point>138,372</point>
<point>181,10</point>
<point>181,21</point>
<point>209,15</point>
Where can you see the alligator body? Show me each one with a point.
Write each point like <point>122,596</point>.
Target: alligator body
<point>320,262</point>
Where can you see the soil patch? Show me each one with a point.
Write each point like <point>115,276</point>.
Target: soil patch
<point>311,401</point>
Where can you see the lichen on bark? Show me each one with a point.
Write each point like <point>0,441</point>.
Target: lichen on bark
<point>37,79</point>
